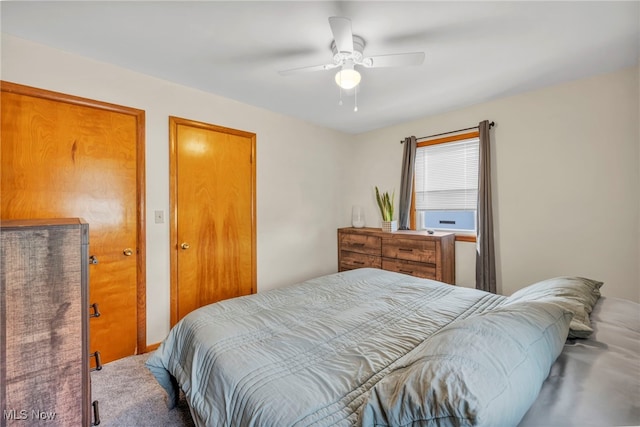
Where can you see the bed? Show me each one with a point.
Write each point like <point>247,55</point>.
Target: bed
<point>371,347</point>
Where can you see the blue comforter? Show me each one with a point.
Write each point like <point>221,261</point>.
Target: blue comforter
<point>323,352</point>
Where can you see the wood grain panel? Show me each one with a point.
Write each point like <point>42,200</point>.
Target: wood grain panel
<point>44,346</point>
<point>352,260</point>
<point>213,208</point>
<point>361,243</point>
<point>410,249</point>
<point>416,253</point>
<point>426,271</point>
<point>68,157</point>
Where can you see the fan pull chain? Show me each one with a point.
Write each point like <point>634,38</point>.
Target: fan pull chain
<point>340,101</point>
<point>355,98</point>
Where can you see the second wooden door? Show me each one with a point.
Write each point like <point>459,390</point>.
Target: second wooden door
<point>213,214</point>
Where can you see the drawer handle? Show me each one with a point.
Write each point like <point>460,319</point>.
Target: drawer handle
<point>405,250</point>
<point>358,262</point>
<point>96,356</point>
<point>358,244</point>
<point>96,413</point>
<point>405,271</point>
<point>96,312</point>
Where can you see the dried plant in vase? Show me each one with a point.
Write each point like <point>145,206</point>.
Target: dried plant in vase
<point>385,203</point>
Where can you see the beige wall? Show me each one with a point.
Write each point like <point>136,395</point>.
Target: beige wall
<point>566,181</point>
<point>299,166</point>
<point>566,184</point>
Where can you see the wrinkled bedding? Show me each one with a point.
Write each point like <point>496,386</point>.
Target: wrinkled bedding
<point>306,354</point>
<point>595,381</point>
<point>323,352</point>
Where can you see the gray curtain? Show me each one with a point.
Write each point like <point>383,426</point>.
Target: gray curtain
<point>485,254</point>
<point>406,182</point>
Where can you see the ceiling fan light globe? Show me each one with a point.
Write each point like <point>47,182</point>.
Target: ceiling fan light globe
<point>348,78</point>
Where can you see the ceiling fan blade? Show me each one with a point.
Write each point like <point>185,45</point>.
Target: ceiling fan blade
<point>394,60</point>
<point>342,33</point>
<point>307,69</point>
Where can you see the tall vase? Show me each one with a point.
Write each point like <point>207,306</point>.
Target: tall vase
<point>357,216</point>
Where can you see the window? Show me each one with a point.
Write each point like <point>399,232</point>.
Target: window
<point>446,183</point>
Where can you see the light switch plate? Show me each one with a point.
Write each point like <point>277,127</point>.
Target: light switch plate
<point>159,217</point>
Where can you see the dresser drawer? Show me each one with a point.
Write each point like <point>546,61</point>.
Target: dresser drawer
<point>353,260</point>
<point>417,253</point>
<point>410,250</point>
<point>361,243</point>
<point>409,267</point>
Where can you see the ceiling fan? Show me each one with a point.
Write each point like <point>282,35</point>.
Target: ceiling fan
<point>348,51</point>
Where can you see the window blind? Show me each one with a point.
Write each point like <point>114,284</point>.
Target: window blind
<point>447,176</point>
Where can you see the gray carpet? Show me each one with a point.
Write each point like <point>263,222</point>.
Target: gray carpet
<point>130,396</point>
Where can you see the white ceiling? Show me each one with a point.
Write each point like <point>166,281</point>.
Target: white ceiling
<point>475,51</point>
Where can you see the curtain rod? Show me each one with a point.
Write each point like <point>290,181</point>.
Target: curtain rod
<point>492,124</point>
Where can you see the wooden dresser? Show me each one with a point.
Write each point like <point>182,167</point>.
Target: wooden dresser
<point>44,366</point>
<point>417,253</point>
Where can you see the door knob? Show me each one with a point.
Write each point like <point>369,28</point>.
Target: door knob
<point>185,246</point>
<point>128,252</point>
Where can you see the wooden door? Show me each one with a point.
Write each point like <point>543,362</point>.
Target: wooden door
<point>213,215</point>
<point>64,156</point>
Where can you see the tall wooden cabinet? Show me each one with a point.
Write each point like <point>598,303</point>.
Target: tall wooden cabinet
<point>417,253</point>
<point>44,310</point>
